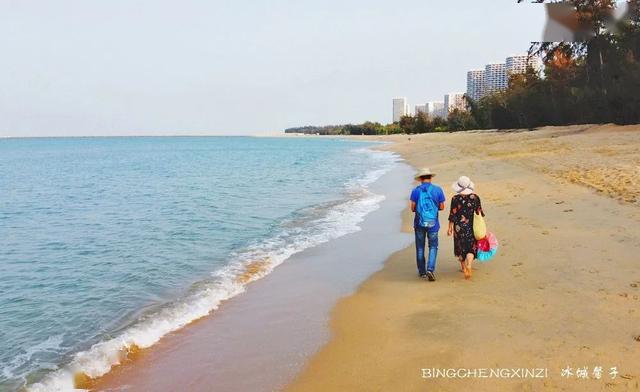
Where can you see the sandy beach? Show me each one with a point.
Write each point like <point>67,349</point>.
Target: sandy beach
<point>562,294</point>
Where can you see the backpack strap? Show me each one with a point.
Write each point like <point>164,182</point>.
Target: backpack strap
<point>428,190</point>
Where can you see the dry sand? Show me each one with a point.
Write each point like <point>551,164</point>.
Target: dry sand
<point>563,291</point>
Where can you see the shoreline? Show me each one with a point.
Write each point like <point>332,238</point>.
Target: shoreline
<point>301,230</point>
<point>555,296</point>
<point>347,329</point>
<point>278,321</point>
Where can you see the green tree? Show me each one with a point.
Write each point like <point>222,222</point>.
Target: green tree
<point>439,124</point>
<point>421,123</point>
<point>391,129</point>
<point>407,124</point>
<point>461,120</point>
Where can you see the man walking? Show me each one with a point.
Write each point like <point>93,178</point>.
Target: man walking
<point>426,200</point>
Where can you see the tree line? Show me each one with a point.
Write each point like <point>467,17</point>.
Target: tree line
<point>592,81</point>
<point>420,123</point>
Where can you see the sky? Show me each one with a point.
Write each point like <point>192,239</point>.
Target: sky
<point>154,67</point>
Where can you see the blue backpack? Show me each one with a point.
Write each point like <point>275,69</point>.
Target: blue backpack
<point>426,208</point>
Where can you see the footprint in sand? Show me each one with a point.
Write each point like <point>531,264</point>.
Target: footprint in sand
<point>545,232</point>
<point>516,265</point>
<point>634,285</point>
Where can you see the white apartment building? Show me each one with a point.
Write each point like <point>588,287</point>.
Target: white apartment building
<point>518,64</point>
<point>400,108</point>
<point>495,78</point>
<point>476,84</point>
<point>435,109</point>
<point>453,101</point>
<point>421,109</point>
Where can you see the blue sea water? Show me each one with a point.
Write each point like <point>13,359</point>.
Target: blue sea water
<point>111,243</point>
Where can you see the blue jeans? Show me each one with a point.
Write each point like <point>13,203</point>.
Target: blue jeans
<point>421,237</point>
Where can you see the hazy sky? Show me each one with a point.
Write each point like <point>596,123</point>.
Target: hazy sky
<point>114,67</point>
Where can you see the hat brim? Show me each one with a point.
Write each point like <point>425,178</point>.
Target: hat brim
<point>419,176</point>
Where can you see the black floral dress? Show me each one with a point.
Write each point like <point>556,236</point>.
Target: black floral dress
<point>463,208</point>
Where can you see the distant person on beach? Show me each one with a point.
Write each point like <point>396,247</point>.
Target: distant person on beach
<point>426,200</point>
<point>464,205</point>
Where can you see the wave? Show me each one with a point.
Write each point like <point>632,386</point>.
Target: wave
<point>310,228</point>
<point>13,368</point>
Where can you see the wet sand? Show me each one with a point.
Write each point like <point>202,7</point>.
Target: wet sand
<point>562,292</point>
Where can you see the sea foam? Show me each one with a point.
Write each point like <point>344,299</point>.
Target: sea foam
<point>313,227</point>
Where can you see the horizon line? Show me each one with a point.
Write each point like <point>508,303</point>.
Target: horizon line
<point>266,133</point>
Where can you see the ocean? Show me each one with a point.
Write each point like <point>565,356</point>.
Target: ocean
<point>109,244</point>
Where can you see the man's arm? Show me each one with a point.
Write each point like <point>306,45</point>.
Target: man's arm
<point>442,200</point>
<point>413,199</point>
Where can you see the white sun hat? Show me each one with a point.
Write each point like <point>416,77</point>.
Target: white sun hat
<point>464,186</point>
<point>424,173</point>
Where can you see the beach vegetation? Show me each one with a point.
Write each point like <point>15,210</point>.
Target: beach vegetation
<point>591,81</point>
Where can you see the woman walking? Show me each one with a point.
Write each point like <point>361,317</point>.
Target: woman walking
<point>464,205</point>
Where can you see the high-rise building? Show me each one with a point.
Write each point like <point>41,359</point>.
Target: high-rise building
<point>518,64</point>
<point>400,108</point>
<point>435,109</point>
<point>453,101</point>
<point>421,109</point>
<point>475,84</point>
<point>495,78</point>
